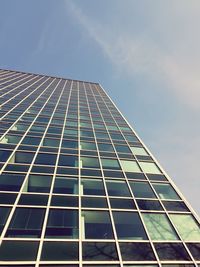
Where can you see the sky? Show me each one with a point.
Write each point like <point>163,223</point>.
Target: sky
<point>145,54</point>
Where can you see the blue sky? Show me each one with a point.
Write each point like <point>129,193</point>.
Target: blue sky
<point>144,53</point>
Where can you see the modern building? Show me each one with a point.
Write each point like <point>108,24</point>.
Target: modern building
<point>77,185</point>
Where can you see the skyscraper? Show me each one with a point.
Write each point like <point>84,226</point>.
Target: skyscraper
<point>77,185</point>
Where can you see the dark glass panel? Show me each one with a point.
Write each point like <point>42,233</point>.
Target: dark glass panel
<point>137,252</point>
<point>175,206</point>
<point>128,225</point>
<point>60,251</point>
<point>10,182</point>
<point>195,250</point>
<point>99,251</point>
<point>62,224</point>
<point>121,203</point>
<point>33,199</point>
<point>18,250</point>
<point>4,155</point>
<point>149,204</point>
<point>4,212</point>
<point>93,187</point>
<point>171,252</point>
<point>65,185</point>
<point>94,202</point>
<point>64,201</point>
<point>97,225</point>
<point>26,222</point>
<point>7,198</point>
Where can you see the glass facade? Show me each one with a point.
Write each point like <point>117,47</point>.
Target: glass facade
<point>77,185</point>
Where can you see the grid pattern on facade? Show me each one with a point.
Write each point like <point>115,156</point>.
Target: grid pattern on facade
<point>77,185</point>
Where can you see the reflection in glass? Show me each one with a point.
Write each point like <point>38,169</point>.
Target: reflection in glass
<point>187,226</point>
<point>137,252</point>
<point>159,227</point>
<point>165,191</point>
<point>99,251</point>
<point>171,251</point>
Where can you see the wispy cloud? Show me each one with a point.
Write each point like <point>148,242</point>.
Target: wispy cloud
<point>134,54</point>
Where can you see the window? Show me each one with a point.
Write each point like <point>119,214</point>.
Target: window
<point>142,190</point>
<point>159,227</point>
<point>68,161</point>
<point>110,164</point>
<point>128,225</point>
<point>105,147</point>
<point>18,250</point>
<point>139,151</point>
<point>87,162</point>
<point>93,187</point>
<point>4,212</point>
<point>165,191</point>
<point>99,251</point>
<point>149,204</point>
<point>94,202</point>
<point>26,222</point>
<point>9,182</point>
<point>130,166</point>
<point>171,252</point>
<point>62,224</point>
<point>38,183</point>
<point>117,188</point>
<point>59,251</point>
<point>97,225</point>
<point>137,252</point>
<point>122,203</point>
<point>175,206</point>
<point>149,167</point>
<point>87,146</point>
<point>187,226</point>
<point>122,149</point>
<point>45,159</point>
<point>64,185</point>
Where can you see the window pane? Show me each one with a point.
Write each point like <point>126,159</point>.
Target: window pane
<point>99,251</point>
<point>59,251</point>
<point>137,252</point>
<point>97,225</point>
<point>121,203</point>
<point>128,225</point>
<point>195,250</point>
<point>90,162</point>
<point>110,164</point>
<point>130,166</point>
<point>159,227</point>
<point>26,222</point>
<point>38,183</point>
<point>149,204</point>
<point>165,191</point>
<point>62,224</point>
<point>187,226</point>
<point>142,190</point>
<point>175,205</point>
<point>94,202</point>
<point>117,188</point>
<point>4,212</point>
<point>139,151</point>
<point>18,251</point>
<point>65,186</point>
<point>93,187</point>
<point>172,251</point>
<point>149,167</point>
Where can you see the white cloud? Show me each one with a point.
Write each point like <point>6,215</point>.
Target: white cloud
<point>139,54</point>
